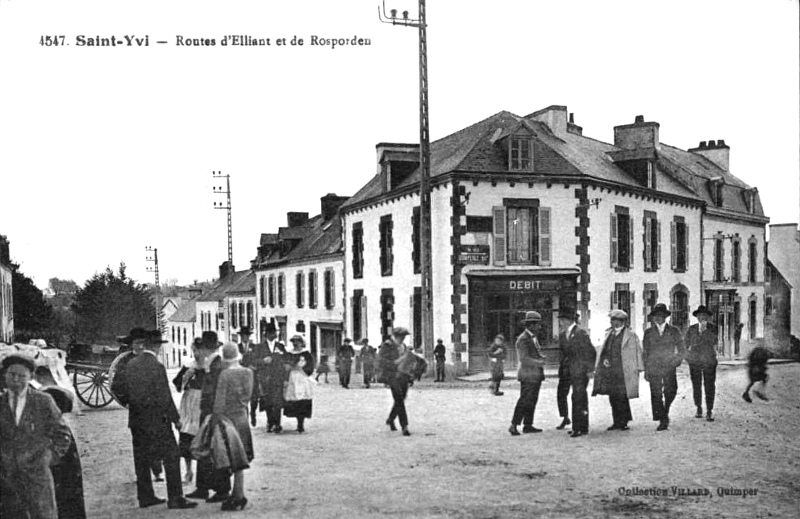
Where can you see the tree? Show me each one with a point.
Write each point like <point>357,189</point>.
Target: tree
<point>109,305</point>
<point>62,287</point>
<point>33,315</point>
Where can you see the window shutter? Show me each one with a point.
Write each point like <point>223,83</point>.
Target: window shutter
<point>544,236</point>
<point>658,247</point>
<point>613,246</point>
<point>390,254</point>
<point>673,239</point>
<point>333,289</point>
<point>630,250</point>
<point>685,245</point>
<point>499,215</point>
<point>648,244</point>
<point>614,301</point>
<point>364,319</point>
<point>633,308</point>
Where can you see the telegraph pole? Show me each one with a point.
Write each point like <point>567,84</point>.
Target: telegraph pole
<point>154,258</point>
<point>425,169</point>
<point>227,206</point>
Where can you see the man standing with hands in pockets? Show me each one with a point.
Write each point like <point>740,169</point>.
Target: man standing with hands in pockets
<point>530,375</point>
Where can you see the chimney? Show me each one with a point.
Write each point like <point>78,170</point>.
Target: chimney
<point>296,219</point>
<point>226,269</point>
<point>572,127</point>
<point>330,204</point>
<point>638,135</point>
<point>554,116</point>
<point>716,151</point>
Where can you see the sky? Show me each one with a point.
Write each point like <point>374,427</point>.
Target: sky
<point>107,150</point>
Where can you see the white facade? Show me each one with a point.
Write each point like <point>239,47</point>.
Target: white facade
<point>784,253</point>
<point>6,306</point>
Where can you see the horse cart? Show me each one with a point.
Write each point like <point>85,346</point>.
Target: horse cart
<point>92,368</point>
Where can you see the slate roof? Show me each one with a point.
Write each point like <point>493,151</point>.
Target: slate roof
<point>474,149</point>
<point>186,313</point>
<point>318,237</point>
<point>220,288</point>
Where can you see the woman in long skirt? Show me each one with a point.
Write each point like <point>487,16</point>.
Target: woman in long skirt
<point>299,393</point>
<point>189,381</point>
<point>234,389</point>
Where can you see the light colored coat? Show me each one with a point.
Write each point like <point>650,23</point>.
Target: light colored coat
<point>632,362</point>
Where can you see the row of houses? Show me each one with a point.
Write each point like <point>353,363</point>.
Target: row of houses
<point>6,300</point>
<point>527,214</point>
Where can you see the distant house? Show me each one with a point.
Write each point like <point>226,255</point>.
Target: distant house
<point>783,253</point>
<point>181,331</point>
<point>778,309</point>
<point>6,299</point>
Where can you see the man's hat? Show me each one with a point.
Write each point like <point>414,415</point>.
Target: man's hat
<point>567,312</point>
<point>298,338</point>
<point>532,317</point>
<point>618,314</point>
<point>659,309</point>
<point>136,334</point>
<point>400,331</point>
<point>154,337</point>
<point>19,358</point>
<point>364,341</point>
<point>270,328</point>
<point>348,339</point>
<point>209,341</point>
<point>500,336</point>
<point>245,330</point>
<point>702,310</point>
<point>439,341</point>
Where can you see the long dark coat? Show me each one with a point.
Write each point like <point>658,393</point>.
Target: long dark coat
<point>662,353</point>
<point>577,354</point>
<point>271,375</point>
<point>531,361</point>
<point>701,348</point>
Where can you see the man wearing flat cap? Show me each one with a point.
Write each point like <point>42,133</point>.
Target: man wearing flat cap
<point>701,347</point>
<point>151,414</point>
<point>33,436</point>
<point>530,375</point>
<point>663,353</point>
<point>391,354</point>
<point>577,358</point>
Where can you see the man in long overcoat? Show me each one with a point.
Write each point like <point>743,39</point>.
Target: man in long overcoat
<point>530,375</point>
<point>345,362</point>
<point>663,353</point>
<point>271,375</point>
<point>617,369</point>
<point>579,354</point>
<point>367,355</point>
<point>151,414</point>
<point>701,348</point>
<point>249,351</point>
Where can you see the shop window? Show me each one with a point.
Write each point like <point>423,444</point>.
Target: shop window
<point>652,242</point>
<point>522,233</point>
<point>358,250</point>
<point>385,244</point>
<point>621,239</point>
<point>679,232</point>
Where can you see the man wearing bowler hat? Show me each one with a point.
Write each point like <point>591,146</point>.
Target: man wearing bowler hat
<point>663,353</point>
<point>578,354</point>
<point>701,347</point>
<point>151,414</point>
<point>530,375</point>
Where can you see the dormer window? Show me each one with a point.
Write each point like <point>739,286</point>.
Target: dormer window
<point>520,153</point>
<point>750,200</point>
<point>717,191</point>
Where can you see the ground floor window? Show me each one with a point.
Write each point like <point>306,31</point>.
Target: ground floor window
<point>679,306</point>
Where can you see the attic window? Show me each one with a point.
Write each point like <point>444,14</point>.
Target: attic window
<point>750,200</point>
<point>520,153</point>
<point>717,191</point>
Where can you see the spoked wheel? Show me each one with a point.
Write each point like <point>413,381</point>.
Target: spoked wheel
<point>92,387</point>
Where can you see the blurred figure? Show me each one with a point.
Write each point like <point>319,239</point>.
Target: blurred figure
<point>701,347</point>
<point>345,362</point>
<point>323,368</point>
<point>439,353</point>
<point>367,355</point>
<point>497,357</point>
<point>391,355</point>
<point>757,372</point>
<point>299,389</point>
<point>232,399</point>
<point>617,369</point>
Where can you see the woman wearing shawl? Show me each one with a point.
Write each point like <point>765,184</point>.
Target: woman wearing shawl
<point>298,395</point>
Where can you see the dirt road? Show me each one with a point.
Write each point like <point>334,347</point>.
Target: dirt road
<point>460,461</point>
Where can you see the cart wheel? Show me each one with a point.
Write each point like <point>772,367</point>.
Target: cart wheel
<point>92,387</point>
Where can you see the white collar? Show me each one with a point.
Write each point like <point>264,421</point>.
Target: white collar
<point>570,328</point>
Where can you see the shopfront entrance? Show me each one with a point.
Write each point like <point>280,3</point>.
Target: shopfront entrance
<point>725,307</point>
<point>497,304</point>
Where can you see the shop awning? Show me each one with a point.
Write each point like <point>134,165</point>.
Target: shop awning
<point>523,272</point>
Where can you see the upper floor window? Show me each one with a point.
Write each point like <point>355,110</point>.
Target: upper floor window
<point>386,242</point>
<point>679,233</point>
<point>736,260</point>
<point>752,260</point>
<point>312,289</point>
<point>750,199</point>
<point>621,238</point>
<point>281,290</point>
<point>250,314</point>
<point>299,289</point>
<point>242,316</point>
<point>522,233</point>
<point>330,291</point>
<point>234,316</point>
<point>520,154</point>
<point>358,250</point>
<point>271,291</point>
<point>717,191</point>
<point>262,291</point>
<point>719,258</point>
<point>652,242</point>
<point>415,241</point>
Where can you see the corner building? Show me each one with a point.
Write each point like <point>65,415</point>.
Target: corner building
<point>529,214</point>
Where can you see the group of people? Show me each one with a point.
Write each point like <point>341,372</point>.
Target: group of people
<point>616,367</point>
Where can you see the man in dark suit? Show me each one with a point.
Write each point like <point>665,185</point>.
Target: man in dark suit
<point>247,350</point>
<point>663,353</point>
<point>439,355</point>
<point>530,375</point>
<point>701,348</point>
<point>271,375</point>
<point>345,357</point>
<point>151,413</point>
<point>578,354</point>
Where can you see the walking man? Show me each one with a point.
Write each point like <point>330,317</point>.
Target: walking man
<point>249,350</point>
<point>151,413</point>
<point>345,356</point>
<point>271,377</point>
<point>367,355</point>
<point>530,375</point>
<point>577,348</point>
<point>663,353</point>
<point>701,347</point>
<point>391,354</point>
<point>439,353</point>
